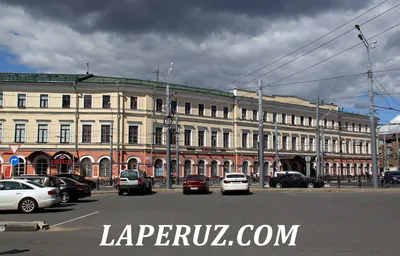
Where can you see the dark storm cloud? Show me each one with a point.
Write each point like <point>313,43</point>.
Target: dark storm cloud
<point>192,18</point>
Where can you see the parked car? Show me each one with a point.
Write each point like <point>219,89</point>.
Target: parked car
<point>78,178</point>
<point>235,182</point>
<point>131,181</point>
<point>281,173</point>
<point>26,196</point>
<point>50,181</point>
<point>392,177</point>
<point>198,183</point>
<point>295,181</point>
<point>71,190</point>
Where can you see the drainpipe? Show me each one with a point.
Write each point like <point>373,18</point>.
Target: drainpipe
<point>76,126</point>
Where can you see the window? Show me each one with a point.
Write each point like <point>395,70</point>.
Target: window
<point>226,140</point>
<point>214,111</point>
<point>293,119</point>
<point>134,102</point>
<point>65,133</point>
<point>326,149</point>
<point>44,100</point>
<point>367,148</point>
<point>347,126</point>
<point>200,138</point>
<point>19,133</point>
<point>333,124</point>
<point>284,143</point>
<point>244,140</point>
<point>201,109</point>
<point>340,125</point>
<point>274,142</point>
<point>105,133</point>
<point>359,128</point>
<point>174,106</point>
<point>366,128</point>
<point>87,101</point>
<point>173,136</point>
<point>347,147</point>
<point>158,136</point>
<point>303,144</point>
<point>274,115</point>
<point>254,115</point>
<point>294,143</point>
<point>214,139</point>
<point>310,121</point>
<point>265,116</point>
<point>334,143</point>
<point>42,133</point>
<point>266,141</point>
<point>1,131</point>
<point>159,105</point>
<point>87,133</point>
<point>188,136</point>
<point>226,112</point>
<point>106,101</point>
<point>66,101</point>
<point>311,144</point>
<point>353,127</point>
<point>302,120</point>
<point>21,100</point>
<point>283,118</point>
<point>255,140</point>
<point>1,99</point>
<point>244,113</point>
<point>188,108</point>
<point>325,123</point>
<point>133,134</point>
<point>354,146</point>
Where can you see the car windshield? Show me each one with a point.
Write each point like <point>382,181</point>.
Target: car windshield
<point>195,177</point>
<point>130,175</point>
<point>233,176</point>
<point>35,184</point>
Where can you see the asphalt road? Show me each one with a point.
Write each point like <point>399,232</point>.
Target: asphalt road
<point>330,224</point>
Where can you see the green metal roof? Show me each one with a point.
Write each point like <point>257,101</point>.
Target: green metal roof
<point>90,79</point>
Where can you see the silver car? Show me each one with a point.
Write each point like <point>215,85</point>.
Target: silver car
<point>131,181</point>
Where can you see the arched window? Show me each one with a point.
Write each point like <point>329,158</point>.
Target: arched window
<point>104,167</point>
<point>341,171</point>
<point>214,168</point>
<point>19,169</point>
<point>200,167</point>
<point>187,168</point>
<point>348,169</point>
<point>133,164</point>
<point>255,168</point>
<point>327,169</point>
<point>266,168</point>
<point>368,170</point>
<point>245,168</point>
<point>362,169</point>
<point>173,167</point>
<point>86,167</point>
<point>226,167</point>
<point>158,172</point>
<point>41,166</point>
<point>335,169</point>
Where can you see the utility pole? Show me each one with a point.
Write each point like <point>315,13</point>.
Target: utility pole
<point>118,130</point>
<point>111,150</point>
<point>177,144</point>
<point>372,110</point>
<point>260,135</point>
<point>76,126</point>
<point>168,123</point>
<point>157,72</point>
<point>318,155</point>
<point>322,153</point>
<point>385,150</point>
<point>340,145</point>
<point>397,148</point>
<point>276,147</point>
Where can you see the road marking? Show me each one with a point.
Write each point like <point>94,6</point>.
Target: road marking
<point>290,194</point>
<point>84,216</point>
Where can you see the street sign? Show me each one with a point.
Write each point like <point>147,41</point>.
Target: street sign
<point>308,158</point>
<point>14,160</point>
<point>14,147</point>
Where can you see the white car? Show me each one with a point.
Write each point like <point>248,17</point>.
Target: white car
<point>235,182</point>
<point>26,196</point>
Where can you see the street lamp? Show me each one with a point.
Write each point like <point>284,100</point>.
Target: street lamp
<point>168,123</point>
<point>111,144</point>
<point>323,145</point>
<point>372,111</point>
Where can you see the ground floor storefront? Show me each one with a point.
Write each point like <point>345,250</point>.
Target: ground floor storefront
<point>97,163</point>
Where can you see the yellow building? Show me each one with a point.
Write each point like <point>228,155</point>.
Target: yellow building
<point>65,122</point>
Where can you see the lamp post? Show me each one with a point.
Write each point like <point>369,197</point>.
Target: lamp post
<point>168,123</point>
<point>111,144</point>
<point>323,145</point>
<point>372,110</point>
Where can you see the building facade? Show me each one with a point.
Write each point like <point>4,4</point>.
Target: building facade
<point>65,123</point>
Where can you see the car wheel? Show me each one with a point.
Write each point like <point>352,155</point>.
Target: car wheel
<point>184,192</point>
<point>310,185</point>
<point>223,192</point>
<point>120,193</point>
<point>28,205</point>
<point>278,185</point>
<point>65,197</point>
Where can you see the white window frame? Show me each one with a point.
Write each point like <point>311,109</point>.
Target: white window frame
<point>191,137</point>
<point>91,131</point>
<point>191,108</point>
<point>216,110</point>
<point>26,131</point>
<point>217,144</point>
<point>37,131</point>
<point>83,101</point>
<point>111,131</point>
<point>1,131</point>
<point>26,100</point>
<point>70,133</point>
<point>2,102</point>
<point>102,101</point>
<point>138,126</point>
<point>48,100</point>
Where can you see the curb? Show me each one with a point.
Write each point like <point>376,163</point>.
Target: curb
<point>23,226</point>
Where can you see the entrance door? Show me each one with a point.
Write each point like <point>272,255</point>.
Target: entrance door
<point>63,168</point>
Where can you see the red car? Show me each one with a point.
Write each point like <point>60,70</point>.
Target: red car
<point>196,183</point>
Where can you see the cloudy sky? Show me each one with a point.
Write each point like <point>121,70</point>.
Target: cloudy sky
<point>214,43</point>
